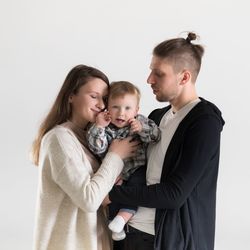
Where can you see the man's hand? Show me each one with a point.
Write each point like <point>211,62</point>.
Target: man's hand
<point>118,181</point>
<point>106,201</point>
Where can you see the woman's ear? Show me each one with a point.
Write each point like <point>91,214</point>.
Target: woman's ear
<point>70,98</point>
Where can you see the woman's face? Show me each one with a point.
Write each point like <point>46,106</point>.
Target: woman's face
<point>88,102</point>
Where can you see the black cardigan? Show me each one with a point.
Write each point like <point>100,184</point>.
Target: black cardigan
<point>185,198</point>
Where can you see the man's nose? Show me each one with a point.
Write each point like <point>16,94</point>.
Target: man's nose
<point>150,79</point>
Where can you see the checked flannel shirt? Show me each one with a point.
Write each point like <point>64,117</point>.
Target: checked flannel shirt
<point>99,140</point>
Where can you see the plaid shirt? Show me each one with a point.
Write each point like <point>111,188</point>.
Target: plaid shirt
<point>99,140</point>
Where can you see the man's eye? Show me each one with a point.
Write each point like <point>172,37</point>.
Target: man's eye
<point>93,96</point>
<point>158,74</point>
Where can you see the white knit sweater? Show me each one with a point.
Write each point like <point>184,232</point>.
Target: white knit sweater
<point>68,216</point>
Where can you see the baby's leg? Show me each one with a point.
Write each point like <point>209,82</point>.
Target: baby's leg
<point>118,223</point>
<point>125,214</point>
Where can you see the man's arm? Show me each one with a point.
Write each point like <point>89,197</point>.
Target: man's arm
<point>201,144</point>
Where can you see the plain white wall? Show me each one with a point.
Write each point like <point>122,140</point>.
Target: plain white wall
<point>42,40</point>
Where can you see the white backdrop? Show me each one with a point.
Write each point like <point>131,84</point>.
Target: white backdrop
<point>42,40</point>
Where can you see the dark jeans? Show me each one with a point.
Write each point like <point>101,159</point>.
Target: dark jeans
<point>136,179</point>
<point>135,240</point>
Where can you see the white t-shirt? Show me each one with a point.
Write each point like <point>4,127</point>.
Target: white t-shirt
<point>144,218</point>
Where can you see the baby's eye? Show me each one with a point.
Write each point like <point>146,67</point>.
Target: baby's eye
<point>128,108</point>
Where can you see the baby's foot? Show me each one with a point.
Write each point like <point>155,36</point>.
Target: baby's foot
<point>118,236</point>
<point>117,224</point>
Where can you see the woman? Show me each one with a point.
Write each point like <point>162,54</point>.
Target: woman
<point>72,183</point>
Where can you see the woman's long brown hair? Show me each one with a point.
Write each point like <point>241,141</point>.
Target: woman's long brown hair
<point>61,109</point>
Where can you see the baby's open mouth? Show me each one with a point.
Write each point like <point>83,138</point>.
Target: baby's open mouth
<point>120,120</point>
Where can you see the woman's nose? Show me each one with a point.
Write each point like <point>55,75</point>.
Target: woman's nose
<point>101,104</point>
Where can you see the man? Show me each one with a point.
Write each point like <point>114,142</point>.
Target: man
<point>177,207</point>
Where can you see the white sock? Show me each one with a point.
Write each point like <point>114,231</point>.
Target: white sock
<point>119,236</point>
<point>117,224</point>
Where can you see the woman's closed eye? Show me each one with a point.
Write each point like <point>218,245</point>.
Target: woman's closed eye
<point>105,99</point>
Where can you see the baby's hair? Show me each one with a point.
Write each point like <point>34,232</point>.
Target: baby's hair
<point>121,88</point>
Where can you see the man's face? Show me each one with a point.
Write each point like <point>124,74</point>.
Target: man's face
<point>164,82</point>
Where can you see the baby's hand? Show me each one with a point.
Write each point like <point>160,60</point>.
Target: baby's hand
<point>135,126</point>
<point>103,119</point>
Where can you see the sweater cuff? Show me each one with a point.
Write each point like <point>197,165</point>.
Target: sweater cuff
<point>114,160</point>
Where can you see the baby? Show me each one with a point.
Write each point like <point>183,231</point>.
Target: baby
<point>122,120</point>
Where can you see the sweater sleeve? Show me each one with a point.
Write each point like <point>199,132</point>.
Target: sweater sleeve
<point>72,171</point>
<point>201,145</point>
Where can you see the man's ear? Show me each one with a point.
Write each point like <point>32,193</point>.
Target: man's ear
<point>185,77</point>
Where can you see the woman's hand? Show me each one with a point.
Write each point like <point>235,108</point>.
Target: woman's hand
<point>125,148</point>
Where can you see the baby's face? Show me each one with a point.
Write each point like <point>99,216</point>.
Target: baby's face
<point>122,109</point>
